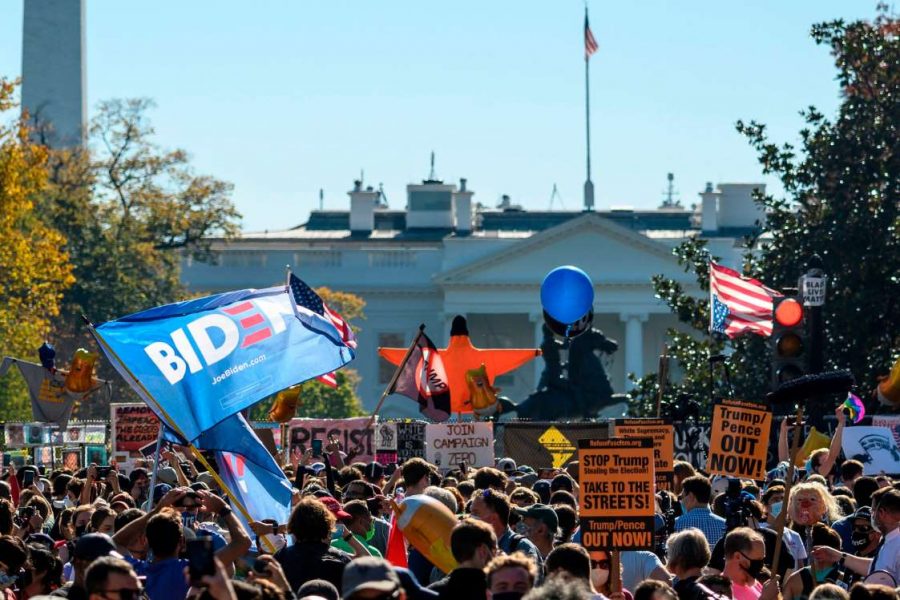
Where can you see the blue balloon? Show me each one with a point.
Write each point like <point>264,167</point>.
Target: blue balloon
<point>567,294</point>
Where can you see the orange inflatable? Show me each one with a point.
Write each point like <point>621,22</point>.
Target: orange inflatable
<point>426,524</point>
<point>81,373</point>
<point>889,388</point>
<point>481,393</point>
<point>285,405</point>
<point>460,356</point>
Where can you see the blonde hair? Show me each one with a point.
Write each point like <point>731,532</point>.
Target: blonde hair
<point>832,510</point>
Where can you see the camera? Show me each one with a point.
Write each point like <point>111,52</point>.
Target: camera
<point>23,515</point>
<point>735,505</point>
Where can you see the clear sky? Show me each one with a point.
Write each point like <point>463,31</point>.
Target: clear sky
<point>283,98</point>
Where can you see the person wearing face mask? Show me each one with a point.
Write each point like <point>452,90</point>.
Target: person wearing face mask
<point>863,488</point>
<point>572,562</point>
<point>745,553</point>
<point>473,545</point>
<point>540,526</point>
<point>361,525</point>
<point>864,541</point>
<point>509,577</point>
<point>886,519</point>
<point>43,575</point>
<point>822,570</point>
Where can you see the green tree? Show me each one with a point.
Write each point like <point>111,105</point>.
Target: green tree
<point>841,202</point>
<point>131,211</point>
<point>36,269</point>
<point>317,399</point>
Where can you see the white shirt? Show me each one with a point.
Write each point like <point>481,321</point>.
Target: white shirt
<point>794,543</point>
<point>889,555</point>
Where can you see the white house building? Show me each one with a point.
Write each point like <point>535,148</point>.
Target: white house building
<point>444,255</point>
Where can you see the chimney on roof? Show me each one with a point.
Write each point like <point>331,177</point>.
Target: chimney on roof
<point>737,207</point>
<point>462,201</point>
<point>709,209</point>
<point>362,208</point>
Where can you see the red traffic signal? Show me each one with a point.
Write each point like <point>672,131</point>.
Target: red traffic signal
<point>789,313</point>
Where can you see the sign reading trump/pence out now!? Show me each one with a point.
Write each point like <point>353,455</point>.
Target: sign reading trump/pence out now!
<point>739,440</point>
<point>616,498</point>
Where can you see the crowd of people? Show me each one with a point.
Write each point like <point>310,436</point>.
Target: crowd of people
<point>99,534</point>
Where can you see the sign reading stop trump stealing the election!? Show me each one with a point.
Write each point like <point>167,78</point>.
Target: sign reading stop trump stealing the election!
<point>616,498</point>
<point>739,440</point>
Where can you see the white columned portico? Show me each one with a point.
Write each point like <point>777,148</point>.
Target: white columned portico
<point>634,344</point>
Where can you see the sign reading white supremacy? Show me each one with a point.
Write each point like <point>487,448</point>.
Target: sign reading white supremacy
<point>448,444</point>
<point>874,447</point>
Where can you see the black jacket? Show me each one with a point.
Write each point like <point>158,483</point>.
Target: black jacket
<point>467,583</point>
<point>312,560</point>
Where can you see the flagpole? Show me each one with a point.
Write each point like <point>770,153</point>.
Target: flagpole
<point>588,184</point>
<point>238,504</point>
<point>390,386</point>
<point>155,470</point>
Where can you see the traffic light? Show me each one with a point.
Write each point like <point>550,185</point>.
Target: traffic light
<point>789,341</point>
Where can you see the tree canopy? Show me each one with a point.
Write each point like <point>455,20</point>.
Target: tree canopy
<point>841,190</point>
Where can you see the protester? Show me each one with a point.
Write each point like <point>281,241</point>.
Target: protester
<point>493,508</point>
<point>510,576</point>
<point>745,553</point>
<point>688,554</point>
<point>473,545</point>
<point>695,496</point>
<point>822,570</point>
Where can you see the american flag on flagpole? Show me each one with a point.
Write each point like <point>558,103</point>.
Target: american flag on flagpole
<point>590,43</point>
<point>306,297</point>
<point>739,304</point>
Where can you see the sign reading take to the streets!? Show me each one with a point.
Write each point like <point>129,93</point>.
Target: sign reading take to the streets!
<point>616,498</point>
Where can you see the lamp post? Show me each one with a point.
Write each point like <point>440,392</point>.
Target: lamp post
<point>812,287</point>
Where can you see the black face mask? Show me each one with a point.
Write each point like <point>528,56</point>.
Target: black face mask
<point>79,530</point>
<point>508,596</point>
<point>859,539</point>
<point>755,568</point>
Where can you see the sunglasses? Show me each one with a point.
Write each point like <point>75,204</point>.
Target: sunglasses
<point>863,528</point>
<point>600,564</point>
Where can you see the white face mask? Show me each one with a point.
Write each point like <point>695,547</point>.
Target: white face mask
<point>599,577</point>
<point>775,509</point>
<point>67,502</point>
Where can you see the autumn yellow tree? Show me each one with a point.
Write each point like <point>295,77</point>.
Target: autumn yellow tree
<point>34,265</point>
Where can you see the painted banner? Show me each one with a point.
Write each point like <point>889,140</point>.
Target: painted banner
<point>449,444</point>
<point>616,497</point>
<point>546,445</point>
<point>892,422</point>
<point>357,441</point>
<point>874,447</point>
<point>410,440</point>
<point>134,426</point>
<point>692,441</point>
<point>739,442</point>
<point>662,433</point>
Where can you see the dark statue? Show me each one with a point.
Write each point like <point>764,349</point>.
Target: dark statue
<point>577,389</point>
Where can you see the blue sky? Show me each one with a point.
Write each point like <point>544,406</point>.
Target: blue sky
<point>284,98</point>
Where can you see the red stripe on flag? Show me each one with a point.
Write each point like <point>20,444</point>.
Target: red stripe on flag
<point>256,336</point>
<point>328,379</point>
<point>238,308</point>
<point>248,322</point>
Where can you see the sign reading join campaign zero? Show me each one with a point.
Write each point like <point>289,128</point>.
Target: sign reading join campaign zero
<point>616,499</point>
<point>449,444</point>
<point>739,440</point>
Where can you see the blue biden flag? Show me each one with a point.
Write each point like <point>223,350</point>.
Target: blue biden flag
<point>198,362</point>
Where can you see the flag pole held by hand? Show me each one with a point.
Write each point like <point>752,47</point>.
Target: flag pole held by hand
<point>393,382</point>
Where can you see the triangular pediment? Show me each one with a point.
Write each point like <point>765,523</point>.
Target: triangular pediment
<point>606,251</point>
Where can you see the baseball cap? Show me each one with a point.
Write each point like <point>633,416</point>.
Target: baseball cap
<point>160,490</point>
<point>335,507</point>
<point>542,513</point>
<point>507,465</point>
<point>92,546</point>
<point>863,512</point>
<point>167,475</point>
<point>369,573</point>
<point>42,539</point>
<point>541,487</point>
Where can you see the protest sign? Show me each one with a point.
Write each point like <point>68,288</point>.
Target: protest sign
<point>15,435</point>
<point>892,422</point>
<point>662,433</point>
<point>449,444</point>
<point>355,438</point>
<point>739,440</point>
<point>410,440</point>
<point>133,426</point>
<point>616,498</point>
<point>874,447</point>
<point>544,444</point>
<point>386,443</point>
